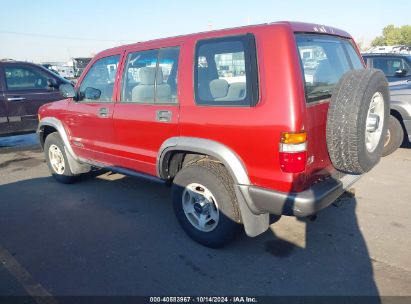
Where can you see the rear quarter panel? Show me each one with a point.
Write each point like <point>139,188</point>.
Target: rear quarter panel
<point>253,133</point>
<point>318,161</point>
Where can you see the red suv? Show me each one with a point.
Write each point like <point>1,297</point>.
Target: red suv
<point>269,119</point>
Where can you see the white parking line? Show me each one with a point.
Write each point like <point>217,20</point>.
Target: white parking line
<point>34,289</point>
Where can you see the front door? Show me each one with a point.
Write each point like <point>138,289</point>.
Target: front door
<point>89,119</point>
<point>26,89</point>
<point>147,112</point>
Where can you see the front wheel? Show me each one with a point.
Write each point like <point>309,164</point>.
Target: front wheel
<point>56,159</point>
<point>205,204</point>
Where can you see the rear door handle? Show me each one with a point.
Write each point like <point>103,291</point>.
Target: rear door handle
<point>16,98</point>
<point>164,115</point>
<point>103,112</point>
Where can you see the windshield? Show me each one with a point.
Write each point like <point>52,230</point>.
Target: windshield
<point>324,59</point>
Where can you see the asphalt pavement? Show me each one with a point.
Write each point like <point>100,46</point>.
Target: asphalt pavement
<point>115,235</point>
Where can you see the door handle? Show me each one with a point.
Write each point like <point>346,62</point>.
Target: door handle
<point>163,115</point>
<point>16,98</point>
<point>103,112</point>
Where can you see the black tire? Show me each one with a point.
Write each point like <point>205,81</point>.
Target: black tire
<point>395,136</point>
<point>346,121</point>
<point>214,177</point>
<point>66,177</point>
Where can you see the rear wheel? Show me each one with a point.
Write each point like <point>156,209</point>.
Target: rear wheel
<point>205,204</point>
<point>57,160</point>
<point>394,137</point>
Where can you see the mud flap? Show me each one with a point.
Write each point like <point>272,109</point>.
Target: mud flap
<point>75,166</point>
<point>253,224</point>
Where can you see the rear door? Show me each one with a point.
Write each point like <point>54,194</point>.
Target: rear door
<point>147,112</point>
<point>26,89</point>
<point>332,57</point>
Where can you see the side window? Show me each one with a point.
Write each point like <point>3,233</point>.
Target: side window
<point>388,64</point>
<point>98,84</point>
<point>324,60</point>
<point>202,62</point>
<point>395,65</point>
<point>168,64</point>
<point>226,71</point>
<point>151,76</point>
<point>380,63</point>
<point>25,78</point>
<point>406,65</point>
<point>406,68</point>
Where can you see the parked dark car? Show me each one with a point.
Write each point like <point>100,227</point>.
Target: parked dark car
<point>397,69</point>
<point>24,87</point>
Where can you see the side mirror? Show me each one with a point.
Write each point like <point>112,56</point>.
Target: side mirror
<point>92,93</point>
<point>52,83</point>
<point>401,72</point>
<point>67,91</point>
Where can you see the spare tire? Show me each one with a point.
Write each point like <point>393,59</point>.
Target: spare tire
<point>357,120</point>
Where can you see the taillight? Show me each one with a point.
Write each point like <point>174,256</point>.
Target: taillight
<point>293,151</point>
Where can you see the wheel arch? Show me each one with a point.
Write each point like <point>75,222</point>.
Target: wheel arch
<point>399,116</point>
<point>401,107</point>
<point>200,147</point>
<point>43,132</point>
<point>254,222</point>
<point>48,125</point>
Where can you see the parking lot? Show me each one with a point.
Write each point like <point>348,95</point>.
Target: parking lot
<point>114,235</point>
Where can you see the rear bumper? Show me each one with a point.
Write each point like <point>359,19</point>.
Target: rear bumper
<point>299,204</point>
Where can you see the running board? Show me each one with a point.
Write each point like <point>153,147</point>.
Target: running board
<point>124,171</point>
<point>133,173</point>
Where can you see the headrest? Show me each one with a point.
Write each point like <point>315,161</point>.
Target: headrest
<point>218,88</point>
<point>147,75</point>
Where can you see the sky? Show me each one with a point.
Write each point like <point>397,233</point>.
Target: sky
<point>56,30</point>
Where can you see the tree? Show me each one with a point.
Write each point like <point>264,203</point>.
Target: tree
<point>392,35</point>
<point>380,40</point>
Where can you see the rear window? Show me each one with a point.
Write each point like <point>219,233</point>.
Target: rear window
<point>324,59</point>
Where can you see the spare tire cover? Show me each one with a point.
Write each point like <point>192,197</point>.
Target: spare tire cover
<point>357,120</point>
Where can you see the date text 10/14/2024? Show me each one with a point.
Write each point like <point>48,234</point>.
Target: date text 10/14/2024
<point>203,300</point>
